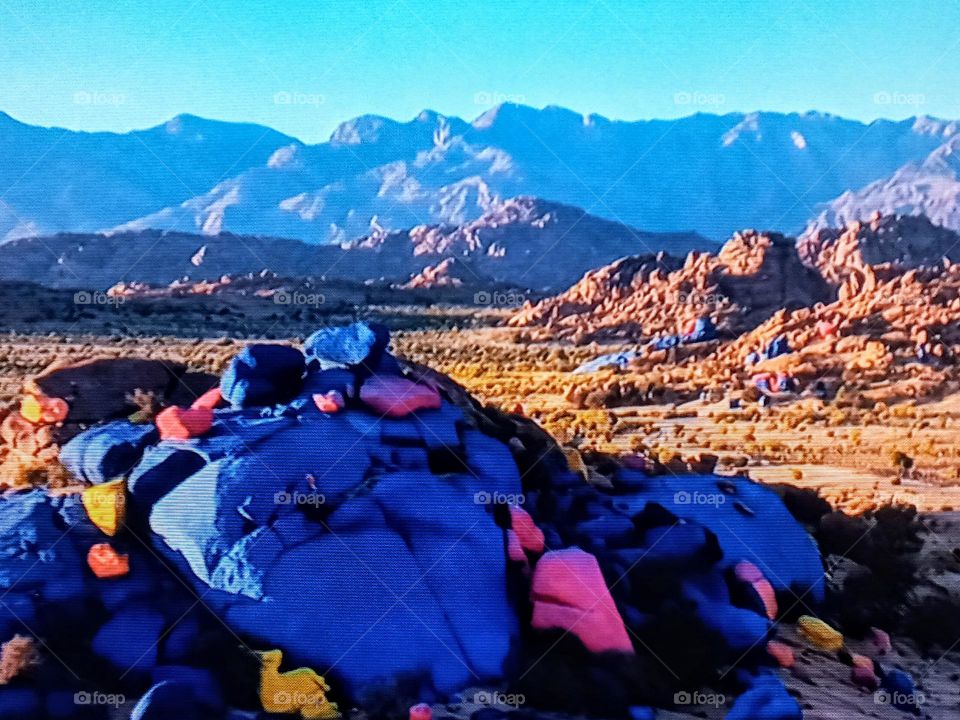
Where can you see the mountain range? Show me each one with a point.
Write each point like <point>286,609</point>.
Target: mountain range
<point>710,174</point>
<point>520,242</point>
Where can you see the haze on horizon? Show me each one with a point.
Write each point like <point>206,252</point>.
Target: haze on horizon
<point>306,69</point>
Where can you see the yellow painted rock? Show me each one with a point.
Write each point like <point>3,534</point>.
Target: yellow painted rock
<point>301,691</point>
<point>43,410</point>
<point>106,505</point>
<point>819,634</point>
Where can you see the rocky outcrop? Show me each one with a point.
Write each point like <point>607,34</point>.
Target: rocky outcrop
<point>754,275</point>
<point>891,242</point>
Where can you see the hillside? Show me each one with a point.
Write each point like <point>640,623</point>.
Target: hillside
<point>522,242</point>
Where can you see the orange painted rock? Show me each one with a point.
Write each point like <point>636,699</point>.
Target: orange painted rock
<point>107,562</point>
<point>175,423</point>
<point>861,661</point>
<point>862,673</point>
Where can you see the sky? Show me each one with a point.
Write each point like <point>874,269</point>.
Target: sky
<point>304,66</point>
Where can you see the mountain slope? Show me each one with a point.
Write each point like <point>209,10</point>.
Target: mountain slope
<point>53,179</point>
<point>930,187</point>
<point>523,242</point>
<point>709,173</point>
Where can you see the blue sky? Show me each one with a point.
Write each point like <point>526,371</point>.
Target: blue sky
<point>302,66</point>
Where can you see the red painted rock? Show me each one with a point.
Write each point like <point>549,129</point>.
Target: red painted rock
<point>568,592</point>
<point>397,397</point>
<point>176,423</point>
<point>781,652</point>
<point>330,402</point>
<point>209,400</point>
<point>530,536</point>
<point>421,712</point>
<point>107,562</point>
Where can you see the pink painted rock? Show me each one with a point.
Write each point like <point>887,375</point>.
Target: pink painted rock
<point>782,653</point>
<point>747,572</point>
<point>568,592</point>
<point>515,548</point>
<point>881,640</point>
<point>397,397</point>
<point>531,537</point>
<point>768,596</point>
<point>176,423</point>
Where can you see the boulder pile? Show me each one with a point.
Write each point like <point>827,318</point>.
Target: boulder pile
<point>342,511</point>
<point>874,302</point>
<point>753,275</point>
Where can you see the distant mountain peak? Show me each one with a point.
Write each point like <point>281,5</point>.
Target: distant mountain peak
<point>361,129</point>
